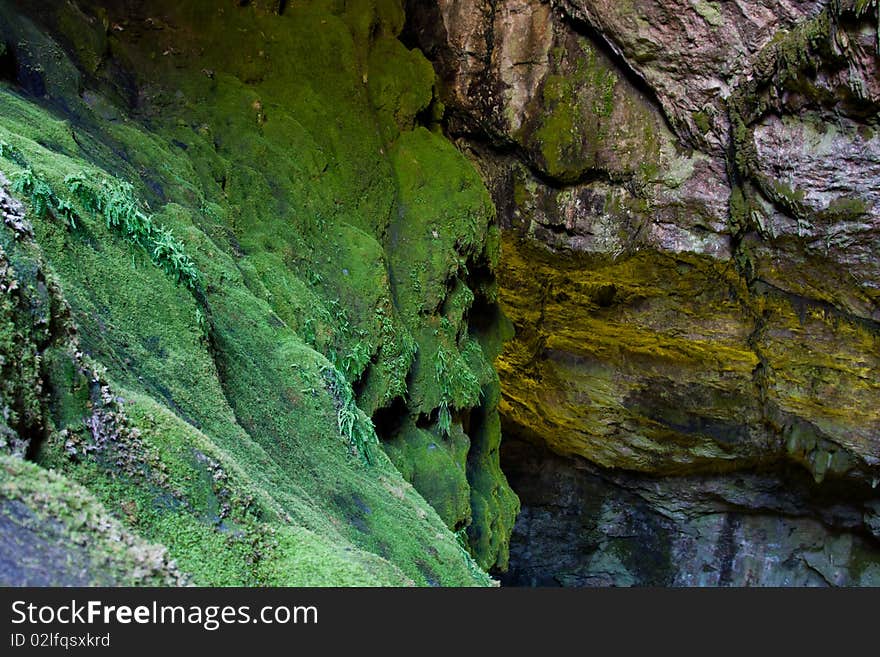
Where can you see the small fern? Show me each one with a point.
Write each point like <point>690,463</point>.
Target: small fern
<point>356,359</point>
<point>397,351</point>
<point>65,211</point>
<point>115,199</point>
<point>353,423</point>
<point>23,182</point>
<point>444,418</point>
<point>119,207</point>
<point>459,388</point>
<point>461,538</point>
<point>83,192</point>
<point>37,191</point>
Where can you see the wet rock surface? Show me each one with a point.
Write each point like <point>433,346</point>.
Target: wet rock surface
<point>685,248</point>
<point>235,294</point>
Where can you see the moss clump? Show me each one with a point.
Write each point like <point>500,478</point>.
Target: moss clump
<point>401,85</point>
<point>845,208</point>
<point>442,249</point>
<point>21,343</point>
<point>494,505</point>
<point>435,465</point>
<point>710,12</point>
<point>703,122</point>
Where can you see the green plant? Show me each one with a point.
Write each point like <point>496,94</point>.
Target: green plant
<point>202,324</point>
<point>168,253</point>
<point>83,192</point>
<point>308,332</point>
<point>355,360</point>
<point>461,538</point>
<point>11,153</point>
<point>353,423</point>
<point>459,388</point>
<point>121,209</point>
<point>115,199</point>
<point>397,351</point>
<point>36,190</point>
<point>64,210</point>
<point>444,418</point>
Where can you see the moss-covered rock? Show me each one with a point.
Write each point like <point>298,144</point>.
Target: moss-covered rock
<point>332,245</point>
<point>687,197</point>
<point>54,532</point>
<point>607,364</point>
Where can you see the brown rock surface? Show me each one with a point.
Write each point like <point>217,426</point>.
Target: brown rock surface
<point>689,196</point>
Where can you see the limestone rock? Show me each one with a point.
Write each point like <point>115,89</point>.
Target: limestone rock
<point>691,53</point>
<point>688,192</point>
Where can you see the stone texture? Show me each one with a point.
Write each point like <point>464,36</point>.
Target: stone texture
<point>663,330</point>
<point>579,132</point>
<point>53,532</point>
<point>584,526</point>
<point>691,53</point>
<point>607,363</point>
<point>688,192</point>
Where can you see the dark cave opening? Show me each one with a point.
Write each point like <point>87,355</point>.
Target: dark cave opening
<point>583,525</point>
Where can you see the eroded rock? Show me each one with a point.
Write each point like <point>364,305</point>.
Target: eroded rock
<point>688,197</point>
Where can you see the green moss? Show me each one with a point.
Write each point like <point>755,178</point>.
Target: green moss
<point>269,165</point>
<point>791,62</point>
<point>495,506</point>
<point>298,557</point>
<point>577,104</point>
<point>710,12</point>
<point>702,121</point>
<point>28,318</point>
<point>739,210</point>
<point>401,85</point>
<point>442,238</point>
<point>435,465</point>
<point>86,34</point>
<point>846,208</point>
<point>70,394</point>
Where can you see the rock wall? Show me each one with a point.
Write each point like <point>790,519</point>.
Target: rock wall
<point>582,525</point>
<point>252,295</point>
<point>690,262</point>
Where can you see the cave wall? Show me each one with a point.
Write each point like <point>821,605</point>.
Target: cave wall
<point>687,194</point>
<point>582,525</point>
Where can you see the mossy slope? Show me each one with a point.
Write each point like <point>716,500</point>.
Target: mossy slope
<point>219,418</point>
